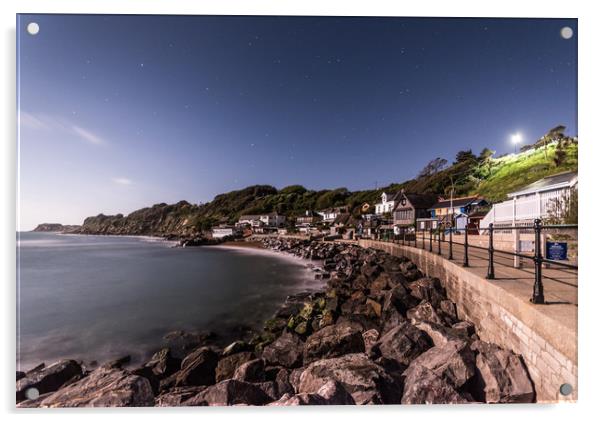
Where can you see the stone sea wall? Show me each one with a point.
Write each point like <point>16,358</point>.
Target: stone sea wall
<point>381,332</point>
<point>548,348</point>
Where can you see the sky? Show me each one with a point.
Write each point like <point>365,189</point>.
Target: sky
<point>121,112</point>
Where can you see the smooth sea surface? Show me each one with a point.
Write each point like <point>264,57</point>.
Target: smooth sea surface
<point>101,297</point>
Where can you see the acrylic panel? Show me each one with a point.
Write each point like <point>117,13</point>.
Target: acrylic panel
<point>281,210</point>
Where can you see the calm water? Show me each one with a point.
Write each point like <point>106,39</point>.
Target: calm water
<point>98,297</point>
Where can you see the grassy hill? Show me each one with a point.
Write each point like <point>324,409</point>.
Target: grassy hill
<point>490,177</point>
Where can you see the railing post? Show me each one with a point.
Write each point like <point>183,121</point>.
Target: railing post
<point>439,241</point>
<point>465,264</point>
<point>403,240</point>
<point>416,237</point>
<point>490,270</point>
<point>431,239</point>
<point>538,297</point>
<point>423,241</point>
<point>451,244</point>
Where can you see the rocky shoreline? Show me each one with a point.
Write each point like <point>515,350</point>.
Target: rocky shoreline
<point>379,333</point>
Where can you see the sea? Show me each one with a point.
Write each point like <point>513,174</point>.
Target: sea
<point>97,298</point>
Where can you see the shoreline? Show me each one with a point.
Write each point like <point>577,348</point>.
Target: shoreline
<point>338,345</point>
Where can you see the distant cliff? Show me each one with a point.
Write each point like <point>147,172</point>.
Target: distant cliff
<point>158,220</point>
<point>56,227</point>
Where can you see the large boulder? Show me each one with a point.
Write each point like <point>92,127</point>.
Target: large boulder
<point>251,371</point>
<point>230,392</point>
<point>429,289</point>
<point>177,396</point>
<point>402,344</point>
<point>334,340</point>
<point>48,378</point>
<point>181,343</point>
<point>454,361</point>
<point>286,351</point>
<point>104,387</point>
<point>423,386</point>
<point>331,393</point>
<point>163,363</point>
<point>364,380</point>
<point>198,368</point>
<point>227,365</point>
<point>439,334</point>
<point>424,312</point>
<point>501,376</point>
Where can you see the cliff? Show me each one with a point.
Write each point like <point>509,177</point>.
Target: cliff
<point>56,227</point>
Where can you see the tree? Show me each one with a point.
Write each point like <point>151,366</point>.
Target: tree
<point>486,154</point>
<point>467,155</point>
<point>433,167</point>
<point>564,210</point>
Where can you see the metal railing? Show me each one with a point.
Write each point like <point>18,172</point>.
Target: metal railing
<point>433,239</point>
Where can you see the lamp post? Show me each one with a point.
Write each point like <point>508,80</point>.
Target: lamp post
<point>516,139</point>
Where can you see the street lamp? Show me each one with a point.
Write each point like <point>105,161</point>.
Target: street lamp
<point>516,139</point>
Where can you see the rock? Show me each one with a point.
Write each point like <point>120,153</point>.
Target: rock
<point>118,363</point>
<point>501,376</point>
<point>425,387</point>
<point>398,299</point>
<point>294,378</point>
<point>370,337</point>
<point>251,371</point>
<point>365,381</point>
<point>429,289</point>
<point>227,365</point>
<point>236,347</point>
<point>283,384</point>
<point>331,393</point>
<point>270,388</point>
<point>380,283</point>
<point>48,378</point>
<point>424,312</point>
<point>198,368</point>
<point>334,340</point>
<point>229,392</point>
<point>162,364</point>
<point>453,361</point>
<point>449,308</point>
<point>402,344</point>
<point>181,343</point>
<point>373,307</point>
<point>391,319</point>
<point>439,334</point>
<point>177,396</point>
<point>275,325</point>
<point>464,328</point>
<point>302,328</point>
<point>286,351</point>
<point>104,387</point>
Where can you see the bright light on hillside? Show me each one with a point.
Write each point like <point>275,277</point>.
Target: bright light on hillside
<point>516,138</point>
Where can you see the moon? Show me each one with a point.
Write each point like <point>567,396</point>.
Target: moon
<point>566,33</point>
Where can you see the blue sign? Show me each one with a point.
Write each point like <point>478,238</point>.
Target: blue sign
<point>556,251</point>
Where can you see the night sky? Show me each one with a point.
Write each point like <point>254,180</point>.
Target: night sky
<point>121,112</point>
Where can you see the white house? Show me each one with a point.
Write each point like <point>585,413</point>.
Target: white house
<point>533,201</point>
<point>270,219</point>
<point>388,202</point>
<point>330,214</point>
<point>223,231</point>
